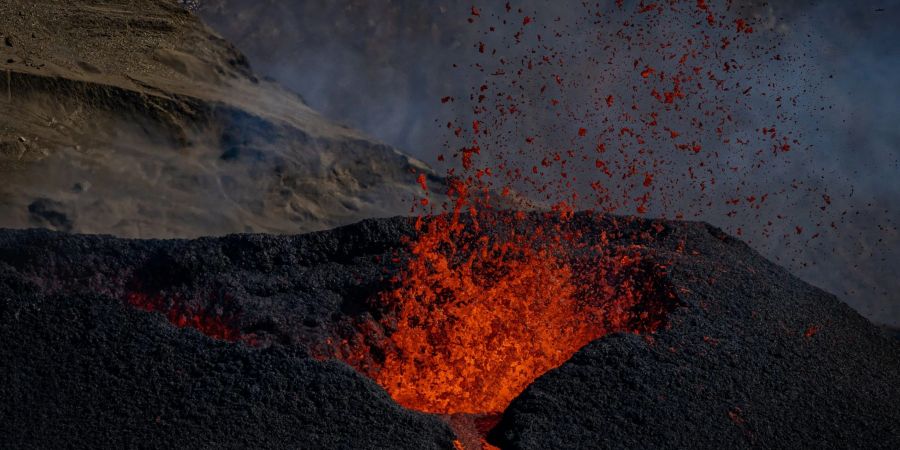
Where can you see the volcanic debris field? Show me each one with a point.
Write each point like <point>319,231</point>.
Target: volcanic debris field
<point>224,342</point>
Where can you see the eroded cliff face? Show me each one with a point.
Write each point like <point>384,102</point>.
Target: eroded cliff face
<point>133,118</point>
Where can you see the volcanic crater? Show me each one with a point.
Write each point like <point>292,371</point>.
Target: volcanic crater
<point>637,333</point>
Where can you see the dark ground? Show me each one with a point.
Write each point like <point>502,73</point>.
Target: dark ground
<point>82,369</point>
<point>753,358</point>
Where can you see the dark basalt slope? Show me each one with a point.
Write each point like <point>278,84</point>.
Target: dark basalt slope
<point>83,369</point>
<point>758,358</point>
<point>88,372</point>
<point>754,357</point>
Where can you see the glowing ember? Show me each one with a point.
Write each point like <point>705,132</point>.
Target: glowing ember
<point>205,320</point>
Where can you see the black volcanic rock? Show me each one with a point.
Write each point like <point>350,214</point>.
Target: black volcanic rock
<point>89,372</point>
<point>753,357</point>
<point>756,359</point>
<point>83,369</point>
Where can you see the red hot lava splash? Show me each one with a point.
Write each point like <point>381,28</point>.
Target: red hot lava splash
<point>470,335</point>
<point>478,313</point>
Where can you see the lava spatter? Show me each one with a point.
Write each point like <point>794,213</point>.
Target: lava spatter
<point>486,304</point>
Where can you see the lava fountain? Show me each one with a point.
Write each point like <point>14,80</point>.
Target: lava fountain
<point>479,312</point>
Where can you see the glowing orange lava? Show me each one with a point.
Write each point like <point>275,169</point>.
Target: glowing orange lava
<point>476,317</point>
<point>206,321</point>
<point>471,335</point>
